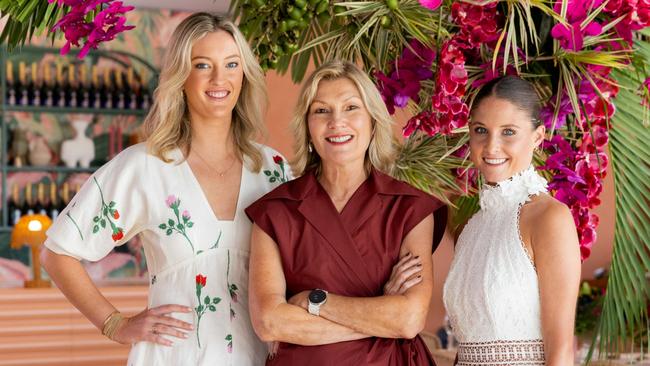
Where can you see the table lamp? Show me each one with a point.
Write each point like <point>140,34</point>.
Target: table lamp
<point>30,230</point>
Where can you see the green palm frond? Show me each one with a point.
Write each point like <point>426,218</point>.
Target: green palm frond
<point>372,33</point>
<point>426,162</point>
<point>628,290</point>
<point>26,18</point>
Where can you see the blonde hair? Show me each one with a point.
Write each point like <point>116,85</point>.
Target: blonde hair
<point>382,150</point>
<point>167,126</point>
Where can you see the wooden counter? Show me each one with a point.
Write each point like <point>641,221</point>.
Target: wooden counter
<point>40,327</point>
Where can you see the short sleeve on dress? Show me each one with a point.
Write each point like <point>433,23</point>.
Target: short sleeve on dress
<point>417,208</point>
<point>260,214</point>
<point>107,211</point>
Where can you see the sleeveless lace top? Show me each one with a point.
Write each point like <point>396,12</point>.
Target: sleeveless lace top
<point>491,293</point>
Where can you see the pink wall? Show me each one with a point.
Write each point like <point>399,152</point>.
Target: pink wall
<point>283,95</point>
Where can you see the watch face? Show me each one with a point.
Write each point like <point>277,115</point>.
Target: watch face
<point>317,296</point>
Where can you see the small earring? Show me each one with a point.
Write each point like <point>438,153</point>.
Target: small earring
<point>309,147</point>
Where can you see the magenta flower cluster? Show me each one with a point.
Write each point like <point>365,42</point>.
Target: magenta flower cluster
<point>579,168</point>
<point>404,81</point>
<point>477,25</point>
<point>107,24</point>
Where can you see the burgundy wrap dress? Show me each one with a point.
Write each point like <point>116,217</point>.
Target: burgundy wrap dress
<point>350,253</point>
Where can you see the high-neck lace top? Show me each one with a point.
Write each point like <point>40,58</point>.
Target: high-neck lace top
<point>491,293</point>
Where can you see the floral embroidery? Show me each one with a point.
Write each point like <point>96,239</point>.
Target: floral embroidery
<point>229,344</point>
<point>214,246</point>
<point>107,213</point>
<point>232,289</point>
<point>182,220</point>
<point>208,303</point>
<point>275,176</point>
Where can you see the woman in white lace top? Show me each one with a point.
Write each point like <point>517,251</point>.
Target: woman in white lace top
<point>512,288</point>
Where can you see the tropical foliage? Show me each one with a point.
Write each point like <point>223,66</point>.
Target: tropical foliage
<point>589,61</point>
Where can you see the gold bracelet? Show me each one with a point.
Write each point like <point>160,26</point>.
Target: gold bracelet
<point>111,324</point>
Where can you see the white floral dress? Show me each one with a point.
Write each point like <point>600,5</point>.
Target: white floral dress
<point>193,258</point>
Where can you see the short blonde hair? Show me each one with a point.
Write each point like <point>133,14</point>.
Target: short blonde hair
<point>382,150</point>
<point>167,126</point>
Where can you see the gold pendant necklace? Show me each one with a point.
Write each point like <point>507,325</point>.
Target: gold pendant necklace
<point>220,174</point>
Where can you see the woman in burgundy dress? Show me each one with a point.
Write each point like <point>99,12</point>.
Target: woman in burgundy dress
<point>324,245</point>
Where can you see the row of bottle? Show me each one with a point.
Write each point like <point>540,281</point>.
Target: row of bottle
<point>115,89</point>
<point>49,204</point>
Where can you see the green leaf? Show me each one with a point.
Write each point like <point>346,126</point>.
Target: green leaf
<point>179,226</point>
<point>206,300</point>
<point>267,173</point>
<point>169,231</point>
<point>111,204</point>
<point>95,229</point>
<point>190,224</point>
<point>105,211</point>
<point>162,226</point>
<point>102,222</point>
<point>625,304</point>
<point>229,337</point>
<point>276,173</point>
<point>200,308</point>
<point>212,308</point>
<point>272,179</point>
<point>215,300</point>
<point>171,222</point>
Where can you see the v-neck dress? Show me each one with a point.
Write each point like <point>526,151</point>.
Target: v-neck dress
<point>193,258</point>
<point>350,253</point>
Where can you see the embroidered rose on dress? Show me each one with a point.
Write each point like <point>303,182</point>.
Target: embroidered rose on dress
<point>182,222</point>
<point>275,175</point>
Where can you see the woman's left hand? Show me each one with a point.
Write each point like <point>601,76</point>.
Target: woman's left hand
<point>300,299</point>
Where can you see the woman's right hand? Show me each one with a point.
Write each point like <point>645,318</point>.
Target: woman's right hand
<point>404,275</point>
<point>151,324</point>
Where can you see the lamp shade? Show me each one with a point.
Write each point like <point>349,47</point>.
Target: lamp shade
<point>30,230</point>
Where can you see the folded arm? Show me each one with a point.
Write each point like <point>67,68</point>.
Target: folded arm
<point>273,318</point>
<point>389,316</point>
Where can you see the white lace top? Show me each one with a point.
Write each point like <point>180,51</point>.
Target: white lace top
<point>491,293</point>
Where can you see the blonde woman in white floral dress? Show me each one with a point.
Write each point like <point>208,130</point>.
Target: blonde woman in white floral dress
<point>512,287</point>
<point>184,191</point>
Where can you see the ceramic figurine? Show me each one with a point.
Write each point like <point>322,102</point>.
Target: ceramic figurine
<point>80,149</point>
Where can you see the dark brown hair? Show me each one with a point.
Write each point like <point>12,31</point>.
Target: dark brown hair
<point>515,90</point>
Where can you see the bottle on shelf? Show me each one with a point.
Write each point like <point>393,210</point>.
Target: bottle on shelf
<point>54,202</point>
<point>107,91</point>
<point>15,206</point>
<point>48,86</point>
<point>119,92</point>
<point>11,84</point>
<point>65,196</point>
<point>40,206</point>
<point>35,90</point>
<point>71,88</point>
<point>95,89</point>
<point>133,89</point>
<point>59,88</point>
<point>84,86</point>
<point>23,92</point>
<point>28,207</point>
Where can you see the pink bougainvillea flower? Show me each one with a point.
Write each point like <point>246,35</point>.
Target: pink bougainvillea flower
<point>104,27</point>
<point>431,4</point>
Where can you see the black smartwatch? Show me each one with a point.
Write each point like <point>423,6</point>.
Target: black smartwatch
<point>317,298</point>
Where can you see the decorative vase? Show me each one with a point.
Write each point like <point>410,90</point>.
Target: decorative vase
<point>79,150</point>
<point>39,152</point>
